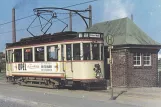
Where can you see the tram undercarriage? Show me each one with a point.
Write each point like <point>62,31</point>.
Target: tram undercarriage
<point>58,83</point>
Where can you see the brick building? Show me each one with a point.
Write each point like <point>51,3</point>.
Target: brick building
<point>135,54</point>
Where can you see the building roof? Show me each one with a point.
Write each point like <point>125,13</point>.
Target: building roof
<point>124,31</point>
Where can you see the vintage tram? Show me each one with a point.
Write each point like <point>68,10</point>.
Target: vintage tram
<point>57,60</point>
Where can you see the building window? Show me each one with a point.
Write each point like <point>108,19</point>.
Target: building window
<point>86,51</point>
<point>39,54</point>
<point>95,51</point>
<point>27,54</point>
<point>147,59</point>
<point>137,59</point>
<point>68,52</point>
<point>18,55</point>
<point>76,51</point>
<point>52,53</point>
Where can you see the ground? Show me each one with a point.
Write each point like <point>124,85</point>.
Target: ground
<point>22,96</point>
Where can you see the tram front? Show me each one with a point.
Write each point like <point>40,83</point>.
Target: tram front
<point>90,68</point>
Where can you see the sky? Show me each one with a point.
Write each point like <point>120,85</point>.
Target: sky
<point>146,13</point>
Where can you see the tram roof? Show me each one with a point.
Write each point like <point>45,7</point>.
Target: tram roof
<point>60,36</point>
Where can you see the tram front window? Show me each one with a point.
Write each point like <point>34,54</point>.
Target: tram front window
<point>102,51</point>
<point>86,50</point>
<point>95,51</point>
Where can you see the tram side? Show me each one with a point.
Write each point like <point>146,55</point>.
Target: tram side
<point>57,64</point>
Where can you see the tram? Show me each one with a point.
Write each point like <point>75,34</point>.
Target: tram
<point>57,60</point>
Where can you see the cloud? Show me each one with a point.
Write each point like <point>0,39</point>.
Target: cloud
<point>22,3</point>
<point>114,9</point>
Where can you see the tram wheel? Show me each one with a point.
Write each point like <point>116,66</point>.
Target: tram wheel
<point>87,87</point>
<point>19,83</point>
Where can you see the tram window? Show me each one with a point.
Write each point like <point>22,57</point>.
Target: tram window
<point>27,54</point>
<point>95,51</point>
<point>102,52</point>
<point>18,55</point>
<point>52,53</point>
<point>68,52</point>
<point>62,52</point>
<point>86,50</point>
<point>9,57</point>
<point>6,56</point>
<point>76,51</point>
<point>39,54</point>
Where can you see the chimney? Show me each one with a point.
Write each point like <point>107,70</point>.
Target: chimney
<point>13,26</point>
<point>90,16</point>
<point>132,17</point>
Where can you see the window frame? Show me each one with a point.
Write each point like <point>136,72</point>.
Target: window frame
<point>75,57</point>
<point>19,57</point>
<point>67,52</point>
<point>101,51</point>
<point>31,54</point>
<point>98,46</point>
<point>146,59</point>
<point>136,59</point>
<point>62,52</point>
<point>35,53</point>
<point>90,55</point>
<point>56,48</point>
<point>9,56</point>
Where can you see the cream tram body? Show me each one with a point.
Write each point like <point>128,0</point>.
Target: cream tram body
<point>65,60</point>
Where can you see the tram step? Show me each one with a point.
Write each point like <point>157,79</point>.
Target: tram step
<point>34,80</point>
<point>37,85</point>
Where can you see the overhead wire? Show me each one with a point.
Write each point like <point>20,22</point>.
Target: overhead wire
<point>34,15</point>
<point>60,13</point>
<point>80,3</point>
<point>17,19</point>
<point>36,25</point>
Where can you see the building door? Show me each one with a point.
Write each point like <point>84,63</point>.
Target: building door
<point>106,65</point>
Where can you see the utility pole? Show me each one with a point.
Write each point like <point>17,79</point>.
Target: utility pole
<point>90,16</point>
<point>70,21</point>
<point>110,41</point>
<point>111,61</point>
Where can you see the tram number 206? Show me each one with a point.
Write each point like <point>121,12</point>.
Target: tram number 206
<point>22,66</point>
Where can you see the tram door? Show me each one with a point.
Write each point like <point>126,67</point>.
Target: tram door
<point>9,60</point>
<point>68,62</point>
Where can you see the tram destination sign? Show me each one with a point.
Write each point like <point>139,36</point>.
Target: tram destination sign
<point>94,35</point>
<point>90,35</point>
